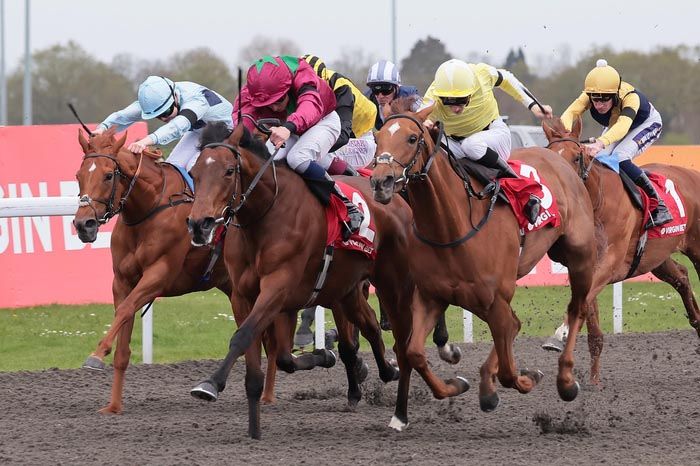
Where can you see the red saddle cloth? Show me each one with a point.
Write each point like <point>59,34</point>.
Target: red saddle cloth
<point>667,190</point>
<point>518,191</point>
<point>363,240</point>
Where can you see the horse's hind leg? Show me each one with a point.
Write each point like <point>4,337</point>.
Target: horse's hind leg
<point>348,345</point>
<point>284,331</point>
<point>595,341</point>
<point>676,275</point>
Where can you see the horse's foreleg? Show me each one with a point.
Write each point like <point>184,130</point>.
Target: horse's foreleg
<point>425,312</point>
<point>676,275</point>
<point>121,362</point>
<point>146,290</point>
<point>504,326</point>
<point>355,369</point>
<point>262,314</point>
<point>254,380</point>
<point>448,352</point>
<point>271,350</point>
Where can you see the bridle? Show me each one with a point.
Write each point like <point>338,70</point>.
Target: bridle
<point>583,169</point>
<point>387,158</point>
<point>229,211</point>
<point>87,201</point>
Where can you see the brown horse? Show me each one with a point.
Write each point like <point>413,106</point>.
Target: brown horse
<point>619,225</point>
<point>151,251</point>
<point>274,257</point>
<point>477,267</point>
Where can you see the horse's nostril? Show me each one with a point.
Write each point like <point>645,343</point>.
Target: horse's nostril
<point>91,223</point>
<point>208,223</point>
<point>388,181</point>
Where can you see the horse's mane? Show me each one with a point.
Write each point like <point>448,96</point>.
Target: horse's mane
<point>218,131</point>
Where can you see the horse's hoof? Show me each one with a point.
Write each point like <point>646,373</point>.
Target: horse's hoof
<point>450,353</point>
<point>488,403</point>
<point>535,376</point>
<point>302,339</point>
<point>94,363</point>
<point>397,424</point>
<point>205,391</point>
<point>361,370</point>
<point>461,383</point>
<point>552,344</point>
<point>570,394</point>
<point>329,358</point>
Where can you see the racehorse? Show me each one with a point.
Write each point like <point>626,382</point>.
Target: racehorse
<point>619,226</point>
<point>151,251</point>
<point>274,256</point>
<point>454,262</point>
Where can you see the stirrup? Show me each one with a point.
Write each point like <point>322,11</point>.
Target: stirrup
<point>660,216</point>
<point>532,209</point>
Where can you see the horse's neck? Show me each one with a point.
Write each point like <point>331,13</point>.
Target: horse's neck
<point>265,200</point>
<point>439,202</point>
<point>146,191</point>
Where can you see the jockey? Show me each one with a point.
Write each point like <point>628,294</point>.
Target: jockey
<point>287,88</point>
<point>464,102</point>
<point>184,106</point>
<point>384,83</point>
<point>355,147</point>
<point>631,122</point>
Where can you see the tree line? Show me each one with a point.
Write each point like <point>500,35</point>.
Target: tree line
<point>64,73</point>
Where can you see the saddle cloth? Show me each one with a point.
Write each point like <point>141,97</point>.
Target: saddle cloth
<point>518,191</point>
<point>673,201</point>
<point>363,240</point>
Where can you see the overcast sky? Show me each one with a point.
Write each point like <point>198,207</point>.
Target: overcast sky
<point>151,29</point>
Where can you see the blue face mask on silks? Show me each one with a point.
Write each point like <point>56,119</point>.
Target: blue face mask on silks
<point>609,160</point>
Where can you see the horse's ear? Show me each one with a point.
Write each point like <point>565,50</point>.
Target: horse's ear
<point>119,143</point>
<point>424,112</point>
<point>83,142</point>
<point>576,127</point>
<point>237,134</point>
<point>548,128</point>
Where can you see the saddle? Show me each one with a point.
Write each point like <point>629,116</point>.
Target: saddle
<point>633,191</point>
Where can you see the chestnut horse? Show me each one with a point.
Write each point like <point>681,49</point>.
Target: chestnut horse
<point>476,267</point>
<point>151,251</point>
<point>275,254</point>
<point>619,225</point>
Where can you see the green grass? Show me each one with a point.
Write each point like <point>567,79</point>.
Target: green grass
<point>199,325</point>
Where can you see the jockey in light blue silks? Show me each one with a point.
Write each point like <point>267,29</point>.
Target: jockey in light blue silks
<point>184,106</point>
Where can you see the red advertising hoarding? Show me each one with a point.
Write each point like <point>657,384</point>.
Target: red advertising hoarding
<point>42,261</point>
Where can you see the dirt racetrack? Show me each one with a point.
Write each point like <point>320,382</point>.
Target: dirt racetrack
<point>646,412</point>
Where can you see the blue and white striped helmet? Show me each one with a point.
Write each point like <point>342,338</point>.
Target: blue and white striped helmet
<point>384,71</point>
<point>156,95</point>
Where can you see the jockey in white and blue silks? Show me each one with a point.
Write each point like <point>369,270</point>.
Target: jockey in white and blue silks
<point>184,106</point>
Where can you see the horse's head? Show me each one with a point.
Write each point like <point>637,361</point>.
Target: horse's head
<point>403,148</point>
<point>566,143</point>
<point>100,179</point>
<point>217,175</point>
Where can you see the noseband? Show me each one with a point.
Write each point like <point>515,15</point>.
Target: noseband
<point>86,201</point>
<point>583,170</point>
<point>387,158</point>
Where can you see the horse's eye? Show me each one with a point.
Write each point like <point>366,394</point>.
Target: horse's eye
<point>230,171</point>
<point>109,176</point>
<point>412,139</point>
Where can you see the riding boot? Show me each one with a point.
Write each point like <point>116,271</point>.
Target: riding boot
<point>491,159</point>
<point>532,209</point>
<point>355,217</point>
<point>340,167</point>
<point>350,171</point>
<point>660,215</point>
